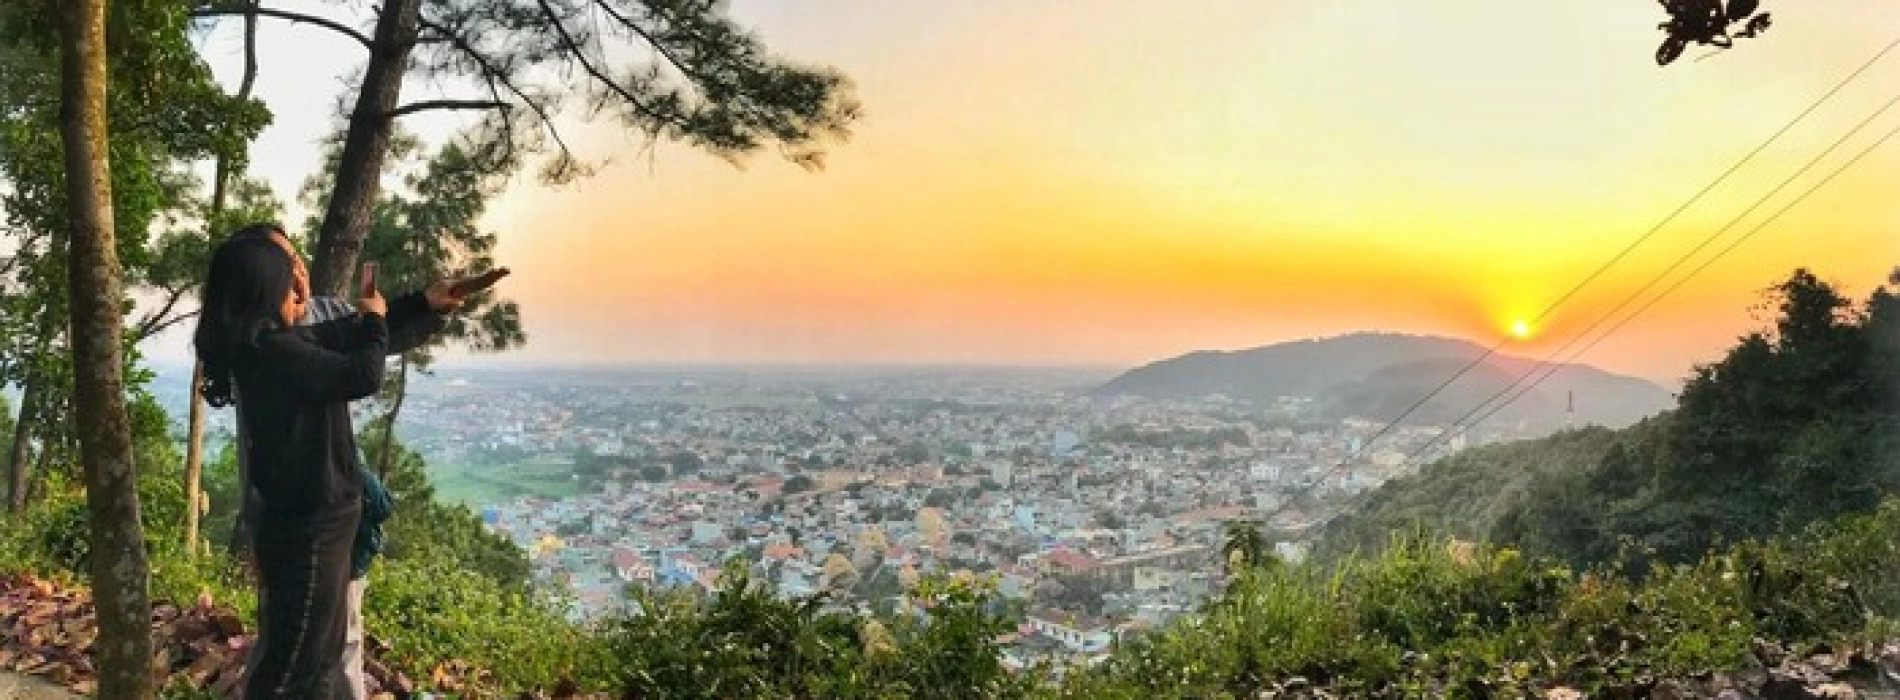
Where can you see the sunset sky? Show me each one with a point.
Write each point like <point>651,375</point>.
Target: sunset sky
<point>1111,182</point>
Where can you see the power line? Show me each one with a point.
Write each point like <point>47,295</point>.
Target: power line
<point>1666,220</point>
<point>1633,245</point>
<point>1551,370</point>
<point>1698,270</point>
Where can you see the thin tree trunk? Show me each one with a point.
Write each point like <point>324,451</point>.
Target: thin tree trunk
<point>389,421</point>
<point>33,408</point>
<point>360,166</point>
<point>16,497</point>
<point>50,444</point>
<point>22,435</point>
<point>194,445</point>
<point>123,652</point>
<point>194,461</point>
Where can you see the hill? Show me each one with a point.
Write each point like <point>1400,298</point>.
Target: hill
<point>1470,494</point>
<point>1794,425</point>
<point>1378,375</point>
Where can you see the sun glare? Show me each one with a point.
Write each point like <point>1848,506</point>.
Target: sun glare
<point>1520,329</point>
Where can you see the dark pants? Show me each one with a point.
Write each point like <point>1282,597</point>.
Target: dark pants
<point>302,611</point>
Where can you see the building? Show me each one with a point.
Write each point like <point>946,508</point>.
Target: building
<point>1079,634</point>
<point>631,567</point>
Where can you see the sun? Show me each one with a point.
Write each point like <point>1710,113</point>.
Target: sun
<point>1520,329</point>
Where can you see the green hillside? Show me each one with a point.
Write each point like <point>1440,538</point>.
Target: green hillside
<point>1796,423</point>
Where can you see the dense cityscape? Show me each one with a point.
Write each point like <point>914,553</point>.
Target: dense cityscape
<point>1091,516</point>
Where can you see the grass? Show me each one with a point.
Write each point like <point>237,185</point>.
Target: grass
<point>477,485</point>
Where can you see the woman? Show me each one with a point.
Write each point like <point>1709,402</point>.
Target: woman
<point>292,385</point>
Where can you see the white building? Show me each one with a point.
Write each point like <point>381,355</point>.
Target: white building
<point>1078,634</point>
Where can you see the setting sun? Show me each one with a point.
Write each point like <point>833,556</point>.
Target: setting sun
<point>1520,329</point>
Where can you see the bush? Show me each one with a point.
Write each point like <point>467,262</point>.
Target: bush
<point>1419,591</point>
<point>430,613</point>
<point>1418,620</point>
<point>742,642</point>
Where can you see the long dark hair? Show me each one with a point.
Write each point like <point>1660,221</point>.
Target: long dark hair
<point>243,294</point>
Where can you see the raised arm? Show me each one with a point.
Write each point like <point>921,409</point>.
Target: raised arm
<point>339,360</point>
<point>412,322</point>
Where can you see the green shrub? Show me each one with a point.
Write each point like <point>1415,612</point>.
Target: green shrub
<point>431,613</point>
<point>742,642</point>
<point>1417,593</point>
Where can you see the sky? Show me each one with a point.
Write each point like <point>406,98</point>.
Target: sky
<point>1114,182</point>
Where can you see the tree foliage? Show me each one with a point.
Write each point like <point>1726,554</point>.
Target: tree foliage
<point>1795,424</point>
<point>679,70</point>
<point>164,111</point>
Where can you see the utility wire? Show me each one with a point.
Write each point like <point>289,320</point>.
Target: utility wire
<point>1790,124</point>
<point>1633,245</point>
<point>1692,273</point>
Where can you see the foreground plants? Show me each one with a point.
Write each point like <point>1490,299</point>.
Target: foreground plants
<point>1426,617</point>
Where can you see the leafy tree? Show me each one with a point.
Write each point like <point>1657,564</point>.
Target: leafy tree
<point>1470,494</point>
<point>715,86</point>
<point>580,527</point>
<point>1244,547</point>
<point>123,652</point>
<point>425,231</point>
<point>913,453</point>
<point>164,110</point>
<point>684,463</point>
<point>1792,426</point>
<point>797,484</point>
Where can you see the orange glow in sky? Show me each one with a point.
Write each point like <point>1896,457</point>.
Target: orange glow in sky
<point>1120,181</point>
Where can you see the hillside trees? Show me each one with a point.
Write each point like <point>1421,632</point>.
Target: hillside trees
<point>163,111</point>
<point>1793,425</point>
<point>1796,423</point>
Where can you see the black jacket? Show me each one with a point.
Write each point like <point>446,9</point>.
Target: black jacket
<point>295,386</point>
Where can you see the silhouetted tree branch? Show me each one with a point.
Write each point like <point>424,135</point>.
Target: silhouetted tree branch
<point>293,17</point>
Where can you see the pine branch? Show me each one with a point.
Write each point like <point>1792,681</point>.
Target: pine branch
<point>294,17</point>
<point>496,79</point>
<point>426,105</point>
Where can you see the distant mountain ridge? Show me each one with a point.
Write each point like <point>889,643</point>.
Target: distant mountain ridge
<point>1378,375</point>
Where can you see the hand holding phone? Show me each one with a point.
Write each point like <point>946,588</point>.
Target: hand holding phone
<point>366,280</point>
<point>368,299</point>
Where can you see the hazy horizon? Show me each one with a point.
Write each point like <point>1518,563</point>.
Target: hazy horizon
<point>505,363</point>
<point>1137,181</point>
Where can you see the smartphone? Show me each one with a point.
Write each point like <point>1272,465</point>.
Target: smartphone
<point>366,280</point>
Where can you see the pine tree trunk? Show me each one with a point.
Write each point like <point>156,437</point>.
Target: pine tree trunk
<point>123,652</point>
<point>194,460</point>
<point>22,435</point>
<point>389,421</point>
<point>360,166</point>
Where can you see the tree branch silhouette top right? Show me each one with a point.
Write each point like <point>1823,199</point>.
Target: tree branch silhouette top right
<point>1710,23</point>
